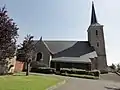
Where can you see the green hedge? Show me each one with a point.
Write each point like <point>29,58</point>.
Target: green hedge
<point>43,70</point>
<point>96,73</point>
<point>103,71</point>
<point>81,72</point>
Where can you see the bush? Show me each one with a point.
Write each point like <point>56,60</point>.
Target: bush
<point>103,71</point>
<point>65,70</point>
<point>96,73</point>
<point>36,64</point>
<point>81,72</point>
<point>44,70</point>
<point>3,70</point>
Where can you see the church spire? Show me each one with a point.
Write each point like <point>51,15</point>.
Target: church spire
<point>93,15</point>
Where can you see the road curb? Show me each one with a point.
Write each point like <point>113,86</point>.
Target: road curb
<point>117,73</point>
<point>57,85</point>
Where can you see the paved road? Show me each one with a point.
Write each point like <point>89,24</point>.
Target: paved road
<point>107,82</point>
<point>111,77</point>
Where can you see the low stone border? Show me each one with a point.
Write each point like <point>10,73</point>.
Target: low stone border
<point>57,85</point>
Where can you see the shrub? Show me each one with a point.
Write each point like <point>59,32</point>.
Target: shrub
<point>104,71</point>
<point>36,64</point>
<point>42,70</point>
<point>96,73</point>
<point>81,72</point>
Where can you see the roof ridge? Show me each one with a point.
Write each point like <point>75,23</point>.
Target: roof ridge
<point>63,40</point>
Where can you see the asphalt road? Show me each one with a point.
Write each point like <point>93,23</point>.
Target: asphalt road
<point>110,77</point>
<point>106,82</point>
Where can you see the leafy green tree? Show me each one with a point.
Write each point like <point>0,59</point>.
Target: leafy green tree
<point>118,67</point>
<point>8,38</point>
<point>113,67</point>
<point>28,49</point>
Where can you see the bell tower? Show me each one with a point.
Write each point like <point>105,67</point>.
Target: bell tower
<point>96,39</point>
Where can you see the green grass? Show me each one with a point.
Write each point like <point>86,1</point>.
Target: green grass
<point>32,82</point>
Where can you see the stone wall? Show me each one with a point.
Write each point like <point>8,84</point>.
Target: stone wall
<point>94,65</point>
<point>98,42</point>
<point>12,62</point>
<point>42,48</point>
<point>10,67</point>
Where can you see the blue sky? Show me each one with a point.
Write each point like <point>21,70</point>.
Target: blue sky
<point>67,20</point>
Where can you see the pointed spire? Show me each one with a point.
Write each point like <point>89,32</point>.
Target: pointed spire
<point>41,38</point>
<point>3,8</point>
<point>93,15</point>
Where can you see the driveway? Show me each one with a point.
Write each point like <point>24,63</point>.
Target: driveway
<point>107,82</point>
<point>111,76</point>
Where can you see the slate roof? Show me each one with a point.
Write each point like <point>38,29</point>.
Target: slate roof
<point>68,48</point>
<point>93,16</point>
<point>58,46</point>
<point>89,55</point>
<point>78,49</point>
<point>72,59</point>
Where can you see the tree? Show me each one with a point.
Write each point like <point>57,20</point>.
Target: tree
<point>8,37</point>
<point>113,67</point>
<point>118,67</point>
<point>28,49</point>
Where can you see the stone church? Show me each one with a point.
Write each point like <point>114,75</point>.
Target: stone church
<point>88,55</point>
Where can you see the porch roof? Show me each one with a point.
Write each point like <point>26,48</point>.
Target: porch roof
<point>72,60</point>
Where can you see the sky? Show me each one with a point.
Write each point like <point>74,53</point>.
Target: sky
<point>67,20</point>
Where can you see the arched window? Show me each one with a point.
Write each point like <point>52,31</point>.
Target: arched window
<point>97,44</point>
<point>96,32</point>
<point>39,56</point>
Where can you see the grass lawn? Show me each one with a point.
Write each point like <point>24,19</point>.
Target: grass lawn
<point>22,82</point>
